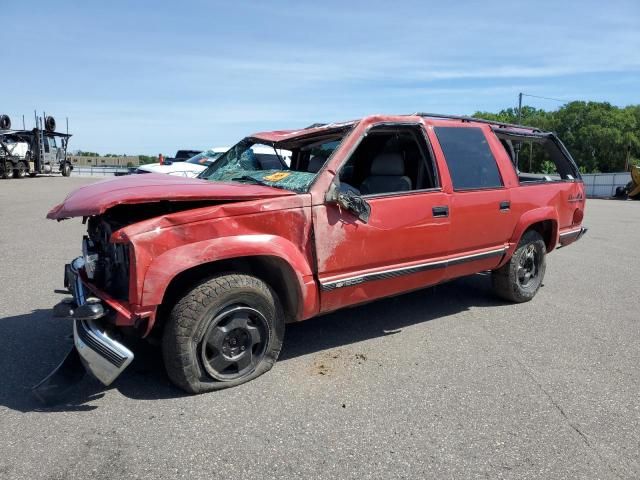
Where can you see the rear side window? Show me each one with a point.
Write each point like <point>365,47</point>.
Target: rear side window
<point>469,158</point>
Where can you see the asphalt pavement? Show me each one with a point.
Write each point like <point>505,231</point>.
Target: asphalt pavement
<point>447,382</point>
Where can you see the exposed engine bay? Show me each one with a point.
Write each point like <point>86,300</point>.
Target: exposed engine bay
<point>106,263</point>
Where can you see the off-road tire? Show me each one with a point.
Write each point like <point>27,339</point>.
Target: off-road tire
<point>507,281</point>
<point>5,122</point>
<point>50,124</point>
<point>194,315</point>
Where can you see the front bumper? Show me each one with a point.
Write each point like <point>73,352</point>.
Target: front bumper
<point>103,356</point>
<point>94,351</point>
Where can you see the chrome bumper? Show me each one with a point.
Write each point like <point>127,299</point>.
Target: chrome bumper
<point>101,355</point>
<point>571,236</point>
<point>104,357</point>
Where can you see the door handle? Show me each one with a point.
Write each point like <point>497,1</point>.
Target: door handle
<point>505,205</point>
<point>440,211</point>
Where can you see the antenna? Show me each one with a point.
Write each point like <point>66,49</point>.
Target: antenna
<point>23,127</point>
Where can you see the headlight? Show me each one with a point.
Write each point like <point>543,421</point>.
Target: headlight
<point>90,257</point>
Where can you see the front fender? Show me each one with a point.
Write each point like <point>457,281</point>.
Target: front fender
<point>529,218</point>
<point>166,266</point>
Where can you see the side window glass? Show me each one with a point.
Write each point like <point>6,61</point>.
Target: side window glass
<point>469,158</point>
<point>389,160</point>
<point>45,140</point>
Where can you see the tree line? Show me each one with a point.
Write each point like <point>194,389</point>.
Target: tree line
<point>601,137</point>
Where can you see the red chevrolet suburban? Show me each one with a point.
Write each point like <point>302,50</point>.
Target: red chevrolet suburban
<point>214,267</point>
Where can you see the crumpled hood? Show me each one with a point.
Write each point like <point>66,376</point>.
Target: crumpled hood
<point>98,197</point>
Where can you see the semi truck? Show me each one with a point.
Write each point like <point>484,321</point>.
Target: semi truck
<point>40,150</point>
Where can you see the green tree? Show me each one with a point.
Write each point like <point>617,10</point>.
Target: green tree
<point>600,136</point>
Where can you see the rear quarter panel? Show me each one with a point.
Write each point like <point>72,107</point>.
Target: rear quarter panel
<point>556,201</point>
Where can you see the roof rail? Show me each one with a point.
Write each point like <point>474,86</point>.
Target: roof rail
<point>474,119</point>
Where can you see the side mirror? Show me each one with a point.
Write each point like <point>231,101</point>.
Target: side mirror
<point>349,199</point>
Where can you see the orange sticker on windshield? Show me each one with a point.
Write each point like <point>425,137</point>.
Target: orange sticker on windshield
<point>276,177</point>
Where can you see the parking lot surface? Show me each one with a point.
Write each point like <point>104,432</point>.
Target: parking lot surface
<point>447,382</point>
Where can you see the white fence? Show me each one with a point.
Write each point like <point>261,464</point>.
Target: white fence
<point>97,171</point>
<point>604,184</point>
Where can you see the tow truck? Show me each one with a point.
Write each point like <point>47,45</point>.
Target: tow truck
<point>40,150</point>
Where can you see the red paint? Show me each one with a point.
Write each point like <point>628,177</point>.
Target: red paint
<point>320,242</point>
<point>98,197</point>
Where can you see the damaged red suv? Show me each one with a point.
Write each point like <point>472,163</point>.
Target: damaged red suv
<point>216,266</point>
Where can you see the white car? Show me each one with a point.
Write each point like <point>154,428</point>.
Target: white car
<point>188,168</point>
<point>195,165</point>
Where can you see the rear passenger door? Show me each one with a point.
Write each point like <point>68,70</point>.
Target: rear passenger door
<point>481,216</point>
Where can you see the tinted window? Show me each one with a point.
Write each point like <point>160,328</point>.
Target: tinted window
<point>469,158</point>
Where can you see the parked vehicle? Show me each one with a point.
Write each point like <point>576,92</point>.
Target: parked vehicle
<point>631,189</point>
<point>183,155</point>
<point>189,168</point>
<point>39,150</point>
<point>215,267</point>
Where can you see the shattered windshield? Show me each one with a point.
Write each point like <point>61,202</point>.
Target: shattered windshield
<point>250,162</point>
<point>291,165</point>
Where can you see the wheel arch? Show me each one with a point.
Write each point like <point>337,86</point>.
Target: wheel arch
<point>543,220</point>
<point>274,271</point>
<point>273,259</point>
<point>548,230</point>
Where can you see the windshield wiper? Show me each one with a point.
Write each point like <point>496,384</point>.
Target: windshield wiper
<point>278,155</point>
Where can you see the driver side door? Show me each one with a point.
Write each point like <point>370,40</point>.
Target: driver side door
<point>404,243</point>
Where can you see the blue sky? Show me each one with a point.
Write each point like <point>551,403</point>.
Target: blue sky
<point>149,77</point>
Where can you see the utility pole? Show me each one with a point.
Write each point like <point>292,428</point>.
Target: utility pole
<point>519,108</point>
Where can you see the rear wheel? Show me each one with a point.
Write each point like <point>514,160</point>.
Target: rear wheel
<point>520,279</point>
<point>224,332</point>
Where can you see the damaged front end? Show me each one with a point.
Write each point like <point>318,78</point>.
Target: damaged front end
<point>95,350</point>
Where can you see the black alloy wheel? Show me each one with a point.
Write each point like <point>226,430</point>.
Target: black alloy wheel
<point>529,266</point>
<point>234,343</point>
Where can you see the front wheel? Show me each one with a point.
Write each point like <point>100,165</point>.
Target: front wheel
<point>521,277</point>
<point>224,332</point>
<point>21,170</point>
<point>66,170</point>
